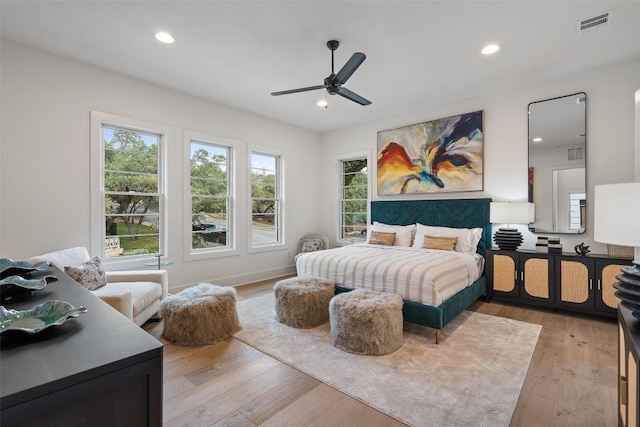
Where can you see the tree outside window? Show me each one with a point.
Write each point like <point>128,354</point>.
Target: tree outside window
<point>131,192</point>
<point>210,196</point>
<point>265,199</point>
<point>355,189</point>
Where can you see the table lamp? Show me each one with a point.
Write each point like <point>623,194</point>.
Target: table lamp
<point>617,221</point>
<point>508,239</point>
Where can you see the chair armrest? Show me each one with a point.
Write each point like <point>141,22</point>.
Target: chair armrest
<point>158,276</point>
<point>121,301</point>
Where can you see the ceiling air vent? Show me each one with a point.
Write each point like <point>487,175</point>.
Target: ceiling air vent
<point>575,154</point>
<point>595,23</point>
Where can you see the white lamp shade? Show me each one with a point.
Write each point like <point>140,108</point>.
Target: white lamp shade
<point>511,213</point>
<point>617,214</point>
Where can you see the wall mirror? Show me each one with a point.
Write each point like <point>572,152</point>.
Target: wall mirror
<point>557,164</point>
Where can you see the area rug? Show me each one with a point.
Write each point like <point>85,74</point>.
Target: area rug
<point>473,377</point>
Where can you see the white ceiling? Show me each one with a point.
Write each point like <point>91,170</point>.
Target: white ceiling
<point>419,53</point>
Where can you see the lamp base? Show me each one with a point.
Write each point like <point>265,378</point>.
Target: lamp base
<point>628,287</point>
<point>508,239</point>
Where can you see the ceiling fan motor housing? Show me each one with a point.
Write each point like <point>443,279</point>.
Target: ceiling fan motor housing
<point>333,44</point>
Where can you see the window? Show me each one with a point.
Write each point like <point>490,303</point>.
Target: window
<point>577,208</point>
<point>129,192</point>
<point>210,195</point>
<point>266,199</point>
<point>353,200</point>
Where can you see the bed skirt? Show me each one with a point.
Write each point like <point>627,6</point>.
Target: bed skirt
<point>439,317</point>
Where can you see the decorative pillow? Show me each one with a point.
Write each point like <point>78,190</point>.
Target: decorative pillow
<point>441,243</point>
<point>312,245</point>
<point>404,233</point>
<point>381,238</point>
<point>468,238</point>
<point>89,274</point>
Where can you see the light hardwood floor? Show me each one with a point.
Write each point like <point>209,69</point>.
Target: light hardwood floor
<point>571,379</point>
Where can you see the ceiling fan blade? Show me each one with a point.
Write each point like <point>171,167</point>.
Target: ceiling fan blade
<point>353,96</point>
<point>302,89</point>
<point>350,67</point>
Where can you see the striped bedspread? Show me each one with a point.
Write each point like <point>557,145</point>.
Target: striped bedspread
<point>420,275</point>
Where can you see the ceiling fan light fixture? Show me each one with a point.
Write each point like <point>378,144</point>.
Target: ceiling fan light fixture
<point>490,49</point>
<point>164,37</point>
<point>322,103</point>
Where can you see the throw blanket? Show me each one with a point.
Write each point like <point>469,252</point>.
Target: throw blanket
<point>421,275</point>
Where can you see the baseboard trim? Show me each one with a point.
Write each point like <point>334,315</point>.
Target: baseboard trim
<point>244,279</point>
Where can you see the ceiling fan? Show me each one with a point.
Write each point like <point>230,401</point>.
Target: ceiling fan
<point>334,82</point>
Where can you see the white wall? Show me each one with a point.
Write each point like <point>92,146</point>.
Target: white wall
<point>45,171</point>
<point>610,140</point>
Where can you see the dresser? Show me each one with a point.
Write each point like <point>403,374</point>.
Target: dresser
<point>563,281</point>
<point>96,370</point>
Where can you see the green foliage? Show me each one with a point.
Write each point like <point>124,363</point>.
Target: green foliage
<point>131,167</point>
<point>145,244</point>
<point>263,192</point>
<point>355,192</point>
<point>209,184</point>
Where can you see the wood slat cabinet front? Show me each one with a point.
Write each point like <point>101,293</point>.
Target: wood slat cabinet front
<point>628,379</point>
<point>586,283</point>
<point>564,281</point>
<point>520,276</point>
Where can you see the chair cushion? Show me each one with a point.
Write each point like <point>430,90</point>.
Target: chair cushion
<point>143,293</point>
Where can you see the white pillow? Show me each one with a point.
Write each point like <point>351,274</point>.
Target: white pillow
<point>404,233</point>
<point>468,238</point>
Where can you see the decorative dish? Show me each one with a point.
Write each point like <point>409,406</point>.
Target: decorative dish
<point>9,267</point>
<point>39,317</point>
<point>17,285</point>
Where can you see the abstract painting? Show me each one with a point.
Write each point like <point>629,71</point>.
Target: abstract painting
<point>437,156</point>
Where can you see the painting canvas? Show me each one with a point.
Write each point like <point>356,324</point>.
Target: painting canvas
<point>443,155</point>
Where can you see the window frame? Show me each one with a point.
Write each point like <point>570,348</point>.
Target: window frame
<point>280,180</point>
<point>233,146</point>
<point>339,159</point>
<point>98,193</point>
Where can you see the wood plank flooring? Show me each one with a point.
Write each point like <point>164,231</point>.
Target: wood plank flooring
<point>571,380</point>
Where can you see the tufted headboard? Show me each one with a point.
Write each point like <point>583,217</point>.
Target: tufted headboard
<point>459,213</point>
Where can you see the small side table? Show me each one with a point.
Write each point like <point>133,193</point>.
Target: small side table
<point>158,263</point>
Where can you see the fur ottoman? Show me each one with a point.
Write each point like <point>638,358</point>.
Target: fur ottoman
<point>303,302</point>
<point>201,314</point>
<point>366,322</point>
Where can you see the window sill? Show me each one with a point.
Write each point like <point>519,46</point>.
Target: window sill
<point>267,248</point>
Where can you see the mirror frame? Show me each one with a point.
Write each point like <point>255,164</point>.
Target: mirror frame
<point>530,182</point>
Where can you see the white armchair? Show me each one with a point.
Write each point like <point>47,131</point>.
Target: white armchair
<point>136,294</point>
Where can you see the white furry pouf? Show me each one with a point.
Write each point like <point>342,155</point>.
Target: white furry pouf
<point>201,314</point>
<point>303,302</point>
<point>366,322</point>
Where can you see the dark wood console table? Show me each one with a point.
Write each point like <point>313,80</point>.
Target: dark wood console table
<point>97,370</point>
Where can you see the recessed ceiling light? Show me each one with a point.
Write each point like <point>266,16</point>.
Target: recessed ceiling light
<point>538,139</point>
<point>164,37</point>
<point>322,103</point>
<point>489,49</point>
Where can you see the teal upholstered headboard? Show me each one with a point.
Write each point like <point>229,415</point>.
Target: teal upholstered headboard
<point>459,213</point>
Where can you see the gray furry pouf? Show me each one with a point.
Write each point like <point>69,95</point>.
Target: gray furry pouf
<point>201,314</point>
<point>303,302</point>
<point>366,322</point>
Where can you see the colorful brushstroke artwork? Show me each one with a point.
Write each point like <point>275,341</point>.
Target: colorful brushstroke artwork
<point>443,155</point>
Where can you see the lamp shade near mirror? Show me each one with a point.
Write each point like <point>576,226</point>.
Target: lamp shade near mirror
<point>617,221</point>
<point>508,239</point>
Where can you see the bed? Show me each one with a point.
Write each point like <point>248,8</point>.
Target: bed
<point>432,308</point>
